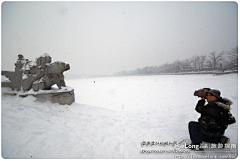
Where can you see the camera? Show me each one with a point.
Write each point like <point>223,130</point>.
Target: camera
<point>201,92</point>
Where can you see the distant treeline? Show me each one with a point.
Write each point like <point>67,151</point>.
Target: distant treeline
<point>226,60</point>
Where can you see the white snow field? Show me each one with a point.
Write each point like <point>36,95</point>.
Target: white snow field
<point>112,117</point>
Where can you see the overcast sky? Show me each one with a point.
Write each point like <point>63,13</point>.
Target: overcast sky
<point>108,37</point>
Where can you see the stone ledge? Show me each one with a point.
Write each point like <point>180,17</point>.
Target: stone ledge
<point>62,96</point>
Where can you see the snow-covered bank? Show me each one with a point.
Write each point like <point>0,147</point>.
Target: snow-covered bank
<point>111,118</point>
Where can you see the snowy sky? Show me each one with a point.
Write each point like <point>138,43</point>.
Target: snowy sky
<point>108,37</point>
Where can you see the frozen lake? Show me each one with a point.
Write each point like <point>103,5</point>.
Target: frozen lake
<point>149,92</point>
<point>111,118</point>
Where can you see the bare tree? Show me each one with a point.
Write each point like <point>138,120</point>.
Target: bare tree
<point>177,66</point>
<point>195,61</point>
<point>215,59</point>
<point>202,60</point>
<point>233,54</point>
<point>166,68</point>
<point>210,65</point>
<point>187,64</point>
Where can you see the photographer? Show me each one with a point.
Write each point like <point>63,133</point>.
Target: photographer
<point>214,120</point>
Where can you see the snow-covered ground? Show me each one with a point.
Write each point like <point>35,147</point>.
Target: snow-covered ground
<point>112,117</point>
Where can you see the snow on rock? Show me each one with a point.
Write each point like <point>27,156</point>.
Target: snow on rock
<point>111,118</point>
<point>4,79</point>
<point>53,90</point>
<point>27,65</point>
<point>43,56</point>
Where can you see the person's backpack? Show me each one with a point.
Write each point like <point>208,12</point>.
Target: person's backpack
<point>231,119</point>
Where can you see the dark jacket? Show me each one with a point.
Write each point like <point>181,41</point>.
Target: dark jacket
<point>215,115</point>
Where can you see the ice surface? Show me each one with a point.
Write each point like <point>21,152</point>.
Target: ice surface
<point>111,118</point>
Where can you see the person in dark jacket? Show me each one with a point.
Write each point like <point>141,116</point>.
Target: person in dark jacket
<point>214,120</point>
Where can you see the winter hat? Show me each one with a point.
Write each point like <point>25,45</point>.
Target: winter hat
<point>215,92</point>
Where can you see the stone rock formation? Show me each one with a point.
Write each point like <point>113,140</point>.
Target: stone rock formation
<point>37,75</point>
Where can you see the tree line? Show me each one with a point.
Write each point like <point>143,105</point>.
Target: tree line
<point>226,60</point>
